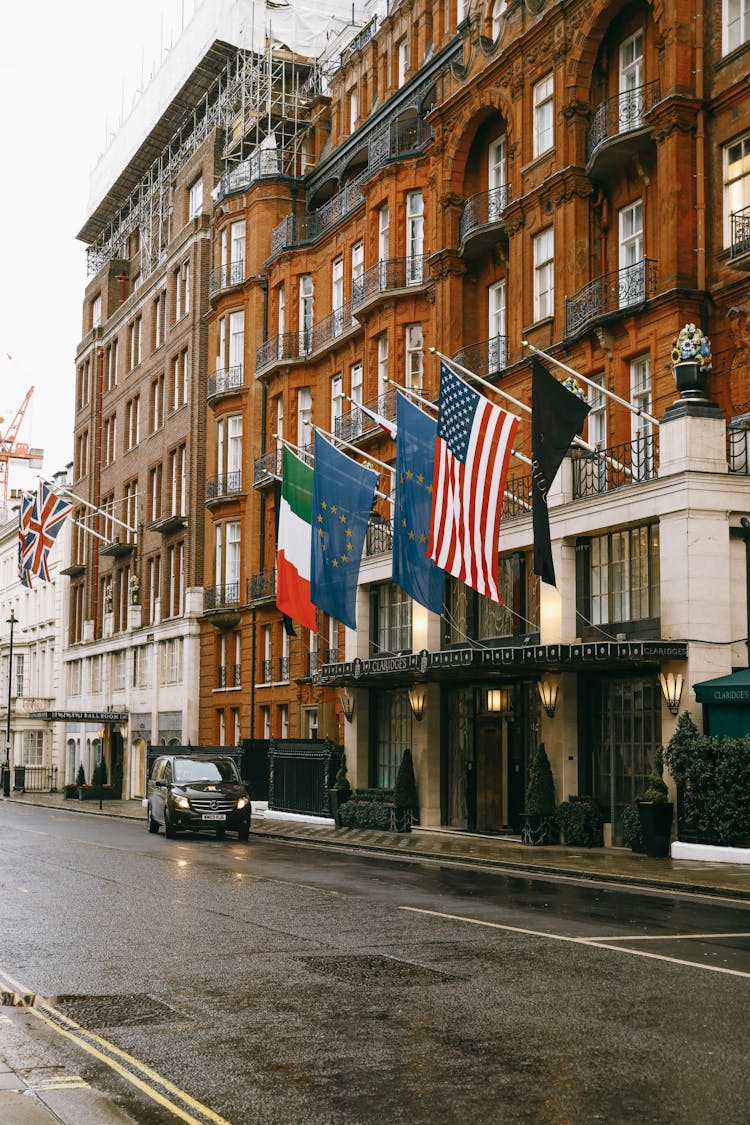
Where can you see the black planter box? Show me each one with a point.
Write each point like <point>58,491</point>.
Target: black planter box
<point>656,826</point>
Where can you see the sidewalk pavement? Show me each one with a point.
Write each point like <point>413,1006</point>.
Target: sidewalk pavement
<point>607,865</point>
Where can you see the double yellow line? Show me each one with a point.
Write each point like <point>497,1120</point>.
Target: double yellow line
<point>159,1089</point>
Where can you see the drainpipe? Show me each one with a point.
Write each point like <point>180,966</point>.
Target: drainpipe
<point>700,154</point>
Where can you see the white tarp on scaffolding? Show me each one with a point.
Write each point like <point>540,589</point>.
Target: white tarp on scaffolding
<point>302,26</point>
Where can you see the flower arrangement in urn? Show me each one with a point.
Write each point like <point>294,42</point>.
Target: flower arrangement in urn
<point>691,345</point>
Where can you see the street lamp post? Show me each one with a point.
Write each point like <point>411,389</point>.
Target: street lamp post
<point>6,766</point>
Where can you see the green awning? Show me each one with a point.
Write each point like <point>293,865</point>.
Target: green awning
<point>725,689</point>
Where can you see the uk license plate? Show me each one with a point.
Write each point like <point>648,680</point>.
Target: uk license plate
<point>214,816</point>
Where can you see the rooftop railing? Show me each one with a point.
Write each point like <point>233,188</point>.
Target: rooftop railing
<point>633,462</point>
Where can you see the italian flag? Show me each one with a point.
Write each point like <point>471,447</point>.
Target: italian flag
<point>294,544</point>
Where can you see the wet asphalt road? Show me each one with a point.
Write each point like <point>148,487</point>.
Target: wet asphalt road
<point>285,984</point>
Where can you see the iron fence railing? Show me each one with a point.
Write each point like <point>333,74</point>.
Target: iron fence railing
<point>517,498</point>
<point>219,597</point>
<point>225,276</point>
<point>609,294</point>
<point>228,675</point>
<point>312,225</point>
<point>300,774</point>
<point>355,422</point>
<point>621,114</point>
<point>740,233</point>
<point>268,466</point>
<point>739,449</point>
<point>261,586</point>
<point>633,462</point>
<point>225,381</point>
<point>483,210</point>
<point>485,358</point>
<point>388,275</point>
<point>225,484</point>
<point>379,537</point>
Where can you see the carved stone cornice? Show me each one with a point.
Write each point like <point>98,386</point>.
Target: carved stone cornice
<point>674,114</point>
<point>446,263</point>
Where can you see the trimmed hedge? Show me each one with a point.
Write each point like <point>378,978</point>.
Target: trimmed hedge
<point>713,779</point>
<point>373,795</point>
<point>366,814</point>
<point>581,820</point>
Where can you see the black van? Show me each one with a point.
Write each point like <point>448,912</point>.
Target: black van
<point>198,793</point>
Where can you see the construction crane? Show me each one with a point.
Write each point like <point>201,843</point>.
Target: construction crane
<point>13,450</point>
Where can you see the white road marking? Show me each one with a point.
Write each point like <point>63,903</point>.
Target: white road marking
<point>590,943</point>
<point>666,937</point>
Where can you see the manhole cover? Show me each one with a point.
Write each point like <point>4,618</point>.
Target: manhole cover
<point>115,1011</point>
<point>365,969</point>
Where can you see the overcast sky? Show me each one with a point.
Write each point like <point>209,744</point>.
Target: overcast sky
<point>68,69</point>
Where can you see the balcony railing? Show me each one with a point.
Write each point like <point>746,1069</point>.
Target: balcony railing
<point>355,423</point>
<point>379,537</point>
<point>392,139</point>
<point>739,449</point>
<point>332,326</point>
<point>266,671</point>
<point>485,358</point>
<point>609,294</point>
<point>630,463</point>
<point>228,675</point>
<point>740,233</point>
<point>483,210</point>
<point>283,348</point>
<point>262,164</point>
<point>267,467</point>
<point>226,276</point>
<point>517,498</point>
<point>311,225</point>
<point>226,381</point>
<point>223,485</point>
<point>283,669</point>
<point>220,597</point>
<point>261,586</point>
<point>624,113</point>
<point>389,275</point>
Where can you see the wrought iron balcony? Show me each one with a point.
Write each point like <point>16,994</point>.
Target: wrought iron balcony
<point>221,597</point>
<point>261,587</point>
<point>223,486</point>
<point>316,660</point>
<point>620,117</point>
<point>633,462</point>
<point>266,671</point>
<point>295,230</point>
<point>389,276</point>
<point>267,467</point>
<point>283,348</point>
<point>485,358</point>
<point>379,537</point>
<point>226,277</point>
<point>283,669</point>
<point>483,211</point>
<point>228,675</point>
<point>610,295</point>
<point>355,423</point>
<point>393,139</point>
<point>226,381</point>
<point>517,498</point>
<point>263,164</point>
<point>332,326</point>
<point>739,253</point>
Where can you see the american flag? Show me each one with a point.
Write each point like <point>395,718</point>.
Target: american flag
<point>48,513</point>
<point>472,449</point>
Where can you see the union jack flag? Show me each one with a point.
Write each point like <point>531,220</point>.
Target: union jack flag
<point>48,513</point>
<point>24,516</point>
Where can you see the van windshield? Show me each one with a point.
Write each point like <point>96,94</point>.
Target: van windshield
<point>191,769</point>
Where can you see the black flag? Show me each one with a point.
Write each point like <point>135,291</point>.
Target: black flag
<point>557,415</point>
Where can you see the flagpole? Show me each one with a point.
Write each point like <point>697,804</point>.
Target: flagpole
<point>595,386</point>
<point>302,454</point>
<point>90,530</point>
<point>80,499</point>
<point>348,444</point>
<point>504,394</point>
<point>436,408</point>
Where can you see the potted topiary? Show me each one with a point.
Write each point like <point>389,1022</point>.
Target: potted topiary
<point>632,834</point>
<point>581,821</point>
<point>405,794</point>
<point>656,812</point>
<point>540,824</point>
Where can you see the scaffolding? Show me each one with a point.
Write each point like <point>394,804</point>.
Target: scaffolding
<point>260,106</point>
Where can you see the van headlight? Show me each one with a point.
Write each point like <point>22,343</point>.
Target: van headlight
<point>242,803</point>
<point>182,802</point>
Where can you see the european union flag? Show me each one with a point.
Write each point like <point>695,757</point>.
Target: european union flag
<point>343,492</point>
<point>415,458</point>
